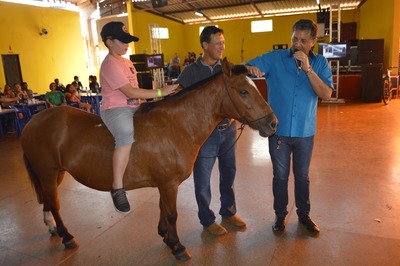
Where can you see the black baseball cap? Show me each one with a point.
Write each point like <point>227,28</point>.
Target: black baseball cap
<point>117,30</point>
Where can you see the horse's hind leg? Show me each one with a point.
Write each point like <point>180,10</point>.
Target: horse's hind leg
<point>52,204</point>
<point>167,223</point>
<point>49,221</point>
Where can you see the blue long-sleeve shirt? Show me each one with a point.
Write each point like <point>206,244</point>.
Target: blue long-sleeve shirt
<point>290,93</point>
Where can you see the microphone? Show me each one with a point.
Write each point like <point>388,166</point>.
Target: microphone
<point>298,62</point>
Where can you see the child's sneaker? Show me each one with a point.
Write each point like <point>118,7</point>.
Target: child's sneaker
<point>121,203</point>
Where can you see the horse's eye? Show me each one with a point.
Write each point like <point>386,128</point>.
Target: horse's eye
<point>244,93</point>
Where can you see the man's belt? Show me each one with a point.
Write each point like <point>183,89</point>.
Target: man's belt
<point>224,124</point>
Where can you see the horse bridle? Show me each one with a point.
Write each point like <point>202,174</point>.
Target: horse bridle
<point>236,109</point>
<point>240,116</point>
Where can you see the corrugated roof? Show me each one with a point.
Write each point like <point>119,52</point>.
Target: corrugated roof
<point>216,10</point>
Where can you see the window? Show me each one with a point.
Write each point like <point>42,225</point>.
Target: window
<point>202,28</point>
<point>261,25</point>
<point>160,33</point>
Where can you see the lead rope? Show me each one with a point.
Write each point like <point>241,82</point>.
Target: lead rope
<point>233,145</point>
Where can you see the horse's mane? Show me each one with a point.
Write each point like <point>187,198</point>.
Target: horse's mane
<point>145,107</point>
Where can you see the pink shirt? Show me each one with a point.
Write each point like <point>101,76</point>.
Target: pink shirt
<point>114,74</point>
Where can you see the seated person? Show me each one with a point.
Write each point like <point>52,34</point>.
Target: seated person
<point>190,59</point>
<point>8,100</point>
<point>8,94</point>
<point>79,84</point>
<point>174,66</point>
<point>94,86</point>
<point>72,97</point>
<point>59,85</point>
<point>53,97</point>
<point>25,88</point>
<point>7,120</point>
<point>21,94</point>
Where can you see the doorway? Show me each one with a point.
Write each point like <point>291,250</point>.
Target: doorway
<point>12,69</point>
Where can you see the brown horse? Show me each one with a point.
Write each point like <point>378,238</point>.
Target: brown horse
<point>168,137</point>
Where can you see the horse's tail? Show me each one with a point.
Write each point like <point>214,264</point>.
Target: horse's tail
<point>34,180</point>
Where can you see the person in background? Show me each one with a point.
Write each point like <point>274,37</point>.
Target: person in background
<point>21,94</point>
<point>79,84</point>
<point>72,98</point>
<point>28,91</point>
<point>8,97</point>
<point>90,79</point>
<point>8,92</point>
<point>54,97</point>
<point>94,85</point>
<point>76,86</point>
<point>220,144</point>
<point>121,99</point>
<point>296,77</point>
<point>59,86</point>
<point>189,59</point>
<point>174,66</point>
<point>8,100</point>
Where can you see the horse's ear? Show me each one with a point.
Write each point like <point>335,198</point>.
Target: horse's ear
<point>226,67</point>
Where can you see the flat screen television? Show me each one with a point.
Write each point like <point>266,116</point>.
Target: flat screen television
<point>154,61</point>
<point>333,50</point>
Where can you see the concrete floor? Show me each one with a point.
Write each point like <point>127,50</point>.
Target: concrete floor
<point>355,199</point>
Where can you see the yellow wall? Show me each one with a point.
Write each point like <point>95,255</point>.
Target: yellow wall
<point>60,54</point>
<point>377,22</point>
<point>185,38</point>
<point>396,36</point>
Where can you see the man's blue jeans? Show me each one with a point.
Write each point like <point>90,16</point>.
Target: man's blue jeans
<point>281,149</point>
<point>220,144</point>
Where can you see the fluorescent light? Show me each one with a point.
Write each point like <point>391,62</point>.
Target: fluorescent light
<point>197,13</point>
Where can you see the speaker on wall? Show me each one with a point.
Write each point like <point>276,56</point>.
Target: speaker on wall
<point>159,3</point>
<point>323,17</point>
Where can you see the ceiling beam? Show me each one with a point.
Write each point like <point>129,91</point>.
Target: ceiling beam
<point>217,7</point>
<point>361,3</point>
<point>256,8</point>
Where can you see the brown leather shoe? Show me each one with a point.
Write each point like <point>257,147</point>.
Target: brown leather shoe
<point>310,225</point>
<point>235,220</point>
<point>217,229</point>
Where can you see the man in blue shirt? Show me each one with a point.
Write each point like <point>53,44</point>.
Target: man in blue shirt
<point>296,77</point>
<point>220,144</point>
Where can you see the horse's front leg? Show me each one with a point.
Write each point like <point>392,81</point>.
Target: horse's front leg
<point>162,223</point>
<point>168,217</point>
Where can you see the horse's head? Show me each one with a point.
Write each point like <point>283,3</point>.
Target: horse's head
<point>244,101</point>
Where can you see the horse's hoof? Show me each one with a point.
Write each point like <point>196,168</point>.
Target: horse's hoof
<point>71,244</point>
<point>183,256</point>
<point>53,232</point>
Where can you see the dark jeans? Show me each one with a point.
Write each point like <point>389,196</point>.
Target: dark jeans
<point>301,150</point>
<point>219,143</point>
<point>173,72</point>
